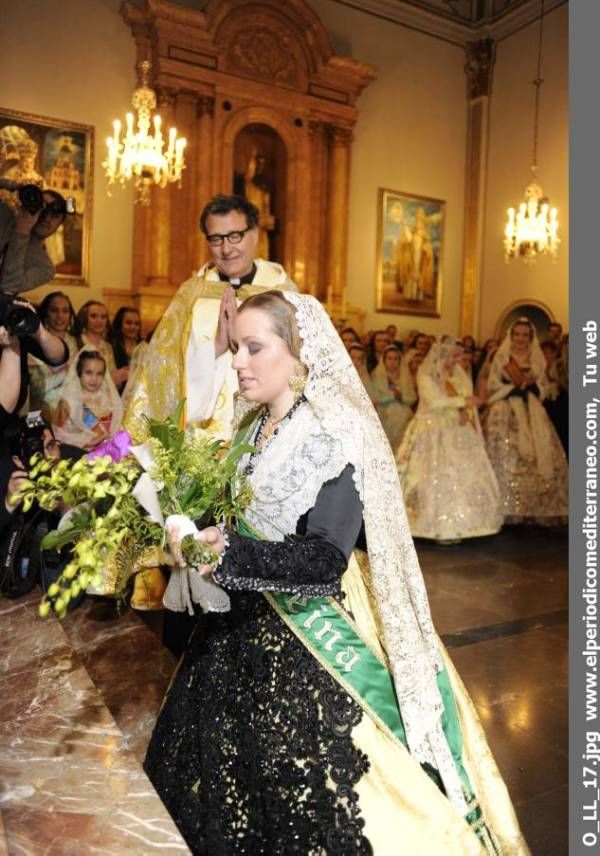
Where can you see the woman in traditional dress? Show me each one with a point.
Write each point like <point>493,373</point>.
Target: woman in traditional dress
<point>448,483</point>
<point>320,714</point>
<point>57,315</point>
<point>125,335</point>
<point>523,446</point>
<point>392,395</point>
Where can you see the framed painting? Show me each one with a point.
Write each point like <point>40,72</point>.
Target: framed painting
<point>409,253</point>
<point>56,155</point>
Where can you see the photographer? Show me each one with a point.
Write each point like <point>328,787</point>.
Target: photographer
<point>23,562</point>
<point>21,334</point>
<point>24,262</point>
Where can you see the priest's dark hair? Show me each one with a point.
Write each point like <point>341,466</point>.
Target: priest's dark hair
<point>220,205</point>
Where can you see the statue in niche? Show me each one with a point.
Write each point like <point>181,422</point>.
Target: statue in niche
<point>258,191</point>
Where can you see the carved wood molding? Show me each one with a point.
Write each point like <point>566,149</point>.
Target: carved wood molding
<point>241,63</point>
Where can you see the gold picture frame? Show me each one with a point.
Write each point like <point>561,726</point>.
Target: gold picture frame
<point>57,155</point>
<point>410,231</point>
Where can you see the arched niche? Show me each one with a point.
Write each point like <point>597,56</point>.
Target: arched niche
<point>537,312</point>
<point>260,174</point>
<point>285,142</point>
<point>239,64</point>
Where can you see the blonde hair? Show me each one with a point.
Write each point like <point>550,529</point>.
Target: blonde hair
<point>282,315</point>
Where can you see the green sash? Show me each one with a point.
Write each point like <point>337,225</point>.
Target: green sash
<point>335,641</point>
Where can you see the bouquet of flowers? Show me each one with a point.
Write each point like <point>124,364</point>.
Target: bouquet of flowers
<point>120,498</point>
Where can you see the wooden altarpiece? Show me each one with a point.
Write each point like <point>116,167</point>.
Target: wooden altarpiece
<point>239,65</point>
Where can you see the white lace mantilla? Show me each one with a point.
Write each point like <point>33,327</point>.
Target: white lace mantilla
<point>290,473</point>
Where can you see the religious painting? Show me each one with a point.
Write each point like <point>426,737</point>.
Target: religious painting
<point>409,253</point>
<point>55,155</point>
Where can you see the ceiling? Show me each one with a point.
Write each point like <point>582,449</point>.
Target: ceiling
<point>458,20</point>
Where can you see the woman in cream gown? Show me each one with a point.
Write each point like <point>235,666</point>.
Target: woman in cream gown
<point>525,451</point>
<point>393,394</point>
<point>320,714</point>
<point>449,487</point>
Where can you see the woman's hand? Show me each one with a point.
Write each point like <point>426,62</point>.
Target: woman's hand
<point>529,379</point>
<point>215,539</point>
<point>178,527</point>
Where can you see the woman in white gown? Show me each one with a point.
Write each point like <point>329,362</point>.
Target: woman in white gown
<point>393,395</point>
<point>448,483</point>
<point>525,451</point>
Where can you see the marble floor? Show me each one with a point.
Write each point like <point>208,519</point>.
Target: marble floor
<point>501,607</point>
<point>79,699</point>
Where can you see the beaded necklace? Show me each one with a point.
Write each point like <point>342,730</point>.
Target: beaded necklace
<point>263,438</point>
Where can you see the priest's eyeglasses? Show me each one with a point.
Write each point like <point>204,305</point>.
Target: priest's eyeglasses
<point>217,240</point>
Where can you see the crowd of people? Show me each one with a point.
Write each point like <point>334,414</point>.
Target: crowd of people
<point>320,713</point>
<point>81,398</point>
<point>480,434</point>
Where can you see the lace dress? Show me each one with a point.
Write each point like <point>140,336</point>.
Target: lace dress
<point>254,731</point>
<point>527,455</point>
<point>449,486</point>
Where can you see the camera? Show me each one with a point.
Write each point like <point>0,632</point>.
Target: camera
<point>32,199</point>
<point>28,436</point>
<point>19,318</point>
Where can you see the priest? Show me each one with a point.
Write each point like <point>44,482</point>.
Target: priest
<point>189,355</point>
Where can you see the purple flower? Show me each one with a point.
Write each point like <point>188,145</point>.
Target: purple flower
<point>117,447</point>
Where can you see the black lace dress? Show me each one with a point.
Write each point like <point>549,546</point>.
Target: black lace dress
<point>252,752</point>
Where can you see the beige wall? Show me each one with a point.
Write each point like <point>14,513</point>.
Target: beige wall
<point>76,61</point>
<point>510,151</point>
<point>410,136</point>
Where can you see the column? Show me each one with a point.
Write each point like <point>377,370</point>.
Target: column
<point>338,183</point>
<point>160,211</point>
<point>183,200</point>
<point>480,60</point>
<point>315,270</point>
<point>205,111</point>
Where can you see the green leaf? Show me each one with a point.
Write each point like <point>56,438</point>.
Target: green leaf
<point>236,452</point>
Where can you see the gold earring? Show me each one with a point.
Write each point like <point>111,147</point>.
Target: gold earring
<point>297,381</point>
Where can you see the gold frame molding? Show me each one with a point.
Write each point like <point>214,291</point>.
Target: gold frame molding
<point>431,312</point>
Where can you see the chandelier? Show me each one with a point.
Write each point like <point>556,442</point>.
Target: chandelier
<point>532,229</point>
<point>140,155</point>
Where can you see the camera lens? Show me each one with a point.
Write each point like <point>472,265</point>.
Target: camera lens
<point>31,198</point>
<point>21,321</point>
